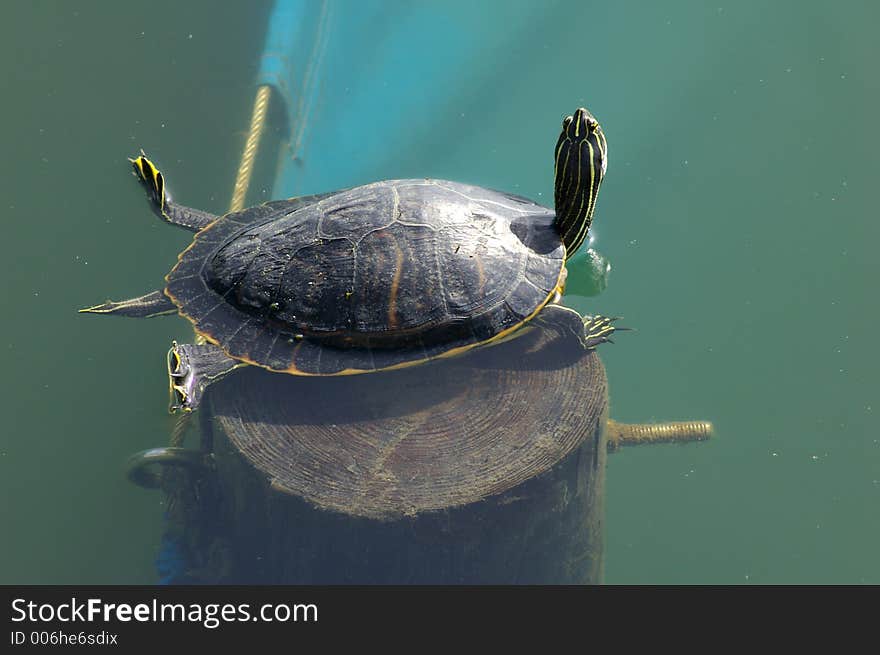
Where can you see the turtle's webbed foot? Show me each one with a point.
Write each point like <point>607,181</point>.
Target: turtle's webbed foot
<point>598,329</point>
<point>153,181</point>
<point>191,368</point>
<point>590,331</point>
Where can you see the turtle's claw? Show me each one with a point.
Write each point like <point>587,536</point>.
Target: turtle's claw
<point>598,329</point>
<point>191,368</point>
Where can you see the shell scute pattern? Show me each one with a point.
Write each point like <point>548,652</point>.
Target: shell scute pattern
<point>417,267</point>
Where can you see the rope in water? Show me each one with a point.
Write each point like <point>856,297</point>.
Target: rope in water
<point>242,182</point>
<point>245,169</point>
<point>176,558</point>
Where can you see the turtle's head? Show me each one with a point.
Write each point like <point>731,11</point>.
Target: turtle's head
<point>581,158</point>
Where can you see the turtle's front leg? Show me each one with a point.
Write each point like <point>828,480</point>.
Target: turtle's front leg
<point>590,331</point>
<point>153,181</point>
<point>191,368</point>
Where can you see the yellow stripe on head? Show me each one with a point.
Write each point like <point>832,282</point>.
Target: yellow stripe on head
<point>580,162</point>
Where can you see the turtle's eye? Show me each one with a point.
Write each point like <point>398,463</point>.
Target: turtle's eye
<point>581,125</point>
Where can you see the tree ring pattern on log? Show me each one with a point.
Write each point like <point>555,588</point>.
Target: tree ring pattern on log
<point>439,435</point>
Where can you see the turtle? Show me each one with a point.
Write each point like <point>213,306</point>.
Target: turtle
<point>376,277</point>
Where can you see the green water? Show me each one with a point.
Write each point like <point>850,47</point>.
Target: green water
<point>738,211</point>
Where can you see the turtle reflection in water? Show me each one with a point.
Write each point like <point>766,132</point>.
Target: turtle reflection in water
<point>376,277</point>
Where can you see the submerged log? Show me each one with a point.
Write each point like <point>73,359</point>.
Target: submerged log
<point>488,468</point>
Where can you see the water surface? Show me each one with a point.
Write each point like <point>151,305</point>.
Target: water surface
<point>738,212</point>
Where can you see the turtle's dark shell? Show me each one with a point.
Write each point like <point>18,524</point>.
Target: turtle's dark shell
<point>379,276</point>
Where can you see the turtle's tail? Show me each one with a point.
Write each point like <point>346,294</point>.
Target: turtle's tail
<point>152,304</point>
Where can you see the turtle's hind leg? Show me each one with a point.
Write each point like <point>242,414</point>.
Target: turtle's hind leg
<point>191,368</point>
<point>149,305</point>
<point>590,331</point>
<point>154,182</point>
